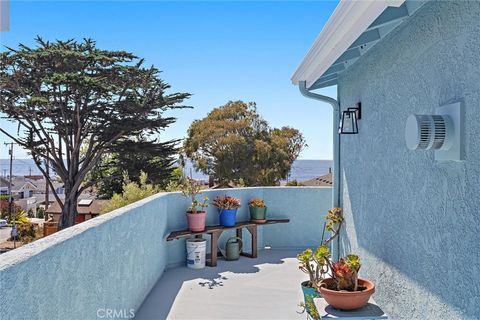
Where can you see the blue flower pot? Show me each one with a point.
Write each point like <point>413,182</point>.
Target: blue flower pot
<point>228,217</point>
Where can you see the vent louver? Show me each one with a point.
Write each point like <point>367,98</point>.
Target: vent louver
<point>425,132</point>
<point>440,132</point>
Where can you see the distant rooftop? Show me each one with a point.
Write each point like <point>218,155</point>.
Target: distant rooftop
<point>94,207</point>
<point>322,181</point>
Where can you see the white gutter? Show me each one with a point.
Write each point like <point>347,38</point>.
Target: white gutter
<point>349,20</point>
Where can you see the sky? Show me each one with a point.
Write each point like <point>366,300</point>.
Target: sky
<point>218,51</point>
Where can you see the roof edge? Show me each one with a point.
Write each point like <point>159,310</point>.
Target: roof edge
<point>349,20</point>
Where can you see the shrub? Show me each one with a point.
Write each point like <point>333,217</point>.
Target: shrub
<point>41,213</point>
<point>25,232</point>
<point>4,209</point>
<point>293,183</point>
<point>132,192</point>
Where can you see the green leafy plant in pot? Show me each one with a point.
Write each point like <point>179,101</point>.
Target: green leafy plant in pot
<point>258,210</point>
<point>196,214</point>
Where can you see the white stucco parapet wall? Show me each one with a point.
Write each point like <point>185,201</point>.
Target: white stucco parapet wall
<point>113,261</point>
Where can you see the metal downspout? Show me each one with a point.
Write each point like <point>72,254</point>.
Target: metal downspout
<point>336,137</point>
<point>336,150</point>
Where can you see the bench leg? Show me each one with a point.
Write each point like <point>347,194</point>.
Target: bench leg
<point>253,233</point>
<point>213,248</point>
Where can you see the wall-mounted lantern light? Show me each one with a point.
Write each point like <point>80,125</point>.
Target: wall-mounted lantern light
<point>349,121</point>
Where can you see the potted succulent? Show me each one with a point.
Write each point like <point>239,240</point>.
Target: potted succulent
<point>258,210</point>
<point>315,264</point>
<point>196,213</point>
<point>345,290</point>
<point>227,208</point>
<point>336,282</point>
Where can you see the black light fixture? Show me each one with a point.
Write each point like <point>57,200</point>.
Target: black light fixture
<point>349,121</point>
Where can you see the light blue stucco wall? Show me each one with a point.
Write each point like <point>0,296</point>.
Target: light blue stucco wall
<point>113,261</point>
<point>414,221</point>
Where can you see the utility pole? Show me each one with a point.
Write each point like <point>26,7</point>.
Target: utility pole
<point>47,200</point>
<point>10,198</point>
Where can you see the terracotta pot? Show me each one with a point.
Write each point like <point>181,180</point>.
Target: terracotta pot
<point>348,300</point>
<point>196,221</point>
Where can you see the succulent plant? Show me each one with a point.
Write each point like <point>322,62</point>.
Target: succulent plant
<point>256,202</point>
<point>315,264</point>
<point>333,217</point>
<point>226,202</point>
<point>318,264</point>
<point>333,224</point>
<point>345,272</point>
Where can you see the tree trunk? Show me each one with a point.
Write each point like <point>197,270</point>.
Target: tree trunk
<point>69,211</point>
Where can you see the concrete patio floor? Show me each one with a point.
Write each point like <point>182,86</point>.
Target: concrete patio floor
<point>264,288</point>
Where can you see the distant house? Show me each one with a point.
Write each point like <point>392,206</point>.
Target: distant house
<point>22,188</point>
<point>86,208</point>
<point>42,184</point>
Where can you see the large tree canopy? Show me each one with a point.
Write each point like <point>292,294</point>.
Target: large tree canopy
<point>128,158</point>
<point>69,95</point>
<point>234,144</point>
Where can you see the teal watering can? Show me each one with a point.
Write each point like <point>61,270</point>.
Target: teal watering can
<point>233,247</point>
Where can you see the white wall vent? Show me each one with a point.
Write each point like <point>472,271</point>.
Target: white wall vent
<point>441,132</point>
<point>425,132</point>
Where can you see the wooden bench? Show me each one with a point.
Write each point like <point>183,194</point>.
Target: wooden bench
<point>216,231</point>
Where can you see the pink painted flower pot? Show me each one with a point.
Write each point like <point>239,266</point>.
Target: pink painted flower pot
<point>196,221</point>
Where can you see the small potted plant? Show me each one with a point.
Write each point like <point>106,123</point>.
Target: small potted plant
<point>316,266</point>
<point>227,208</point>
<point>345,290</point>
<point>196,213</point>
<point>258,210</point>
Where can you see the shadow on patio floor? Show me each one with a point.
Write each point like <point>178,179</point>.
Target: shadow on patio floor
<point>267,287</point>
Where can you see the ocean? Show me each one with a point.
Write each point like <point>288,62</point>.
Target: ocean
<point>301,170</point>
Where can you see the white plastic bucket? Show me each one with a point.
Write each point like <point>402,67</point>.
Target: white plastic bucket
<point>196,253</point>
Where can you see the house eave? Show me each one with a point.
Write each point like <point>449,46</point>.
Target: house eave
<point>353,28</point>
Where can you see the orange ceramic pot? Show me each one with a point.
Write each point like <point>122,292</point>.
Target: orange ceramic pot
<point>347,300</point>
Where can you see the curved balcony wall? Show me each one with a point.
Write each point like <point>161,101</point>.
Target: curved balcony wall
<point>113,261</point>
